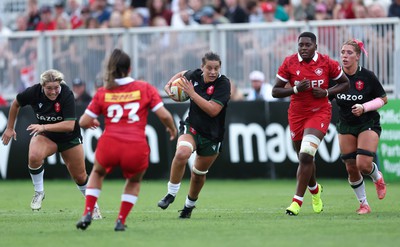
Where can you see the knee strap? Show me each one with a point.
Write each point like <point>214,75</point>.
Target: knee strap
<point>186,144</point>
<point>309,144</point>
<point>198,172</point>
<point>365,152</point>
<point>350,156</point>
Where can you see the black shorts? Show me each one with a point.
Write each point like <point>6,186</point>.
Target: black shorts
<point>204,146</point>
<point>355,129</point>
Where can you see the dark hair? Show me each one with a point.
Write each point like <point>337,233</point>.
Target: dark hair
<point>210,56</point>
<point>118,66</point>
<point>308,35</point>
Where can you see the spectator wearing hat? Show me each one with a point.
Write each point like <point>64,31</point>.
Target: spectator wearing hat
<point>268,11</point>
<point>47,21</point>
<point>208,15</point>
<point>81,95</point>
<point>260,90</point>
<point>272,6</point>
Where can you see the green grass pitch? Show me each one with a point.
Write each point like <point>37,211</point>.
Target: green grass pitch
<point>229,213</point>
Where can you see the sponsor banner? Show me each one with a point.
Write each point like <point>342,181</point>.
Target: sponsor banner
<point>257,145</point>
<point>389,144</point>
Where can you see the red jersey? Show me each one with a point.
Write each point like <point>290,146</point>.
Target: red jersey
<point>125,108</point>
<point>319,71</point>
<point>41,26</point>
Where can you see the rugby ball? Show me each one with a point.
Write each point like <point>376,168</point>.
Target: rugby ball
<point>178,93</point>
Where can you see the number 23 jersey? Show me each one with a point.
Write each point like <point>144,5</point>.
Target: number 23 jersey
<point>125,108</point>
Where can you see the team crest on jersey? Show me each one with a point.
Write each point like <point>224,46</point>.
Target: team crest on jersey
<point>297,72</point>
<point>210,90</point>
<point>359,85</point>
<point>192,130</point>
<point>319,71</point>
<point>57,107</point>
<point>40,105</point>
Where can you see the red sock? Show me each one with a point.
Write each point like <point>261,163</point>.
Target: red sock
<point>298,201</point>
<point>314,191</point>
<point>89,205</point>
<point>124,211</point>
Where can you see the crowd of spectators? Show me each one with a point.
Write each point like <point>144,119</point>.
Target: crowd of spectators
<point>89,14</point>
<point>81,14</point>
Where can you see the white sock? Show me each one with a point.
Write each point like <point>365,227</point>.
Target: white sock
<point>173,188</point>
<point>37,179</point>
<point>82,188</point>
<point>189,203</point>
<point>359,190</point>
<point>375,175</point>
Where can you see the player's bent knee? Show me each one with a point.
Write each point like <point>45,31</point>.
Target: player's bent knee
<point>310,144</point>
<point>198,172</point>
<point>185,144</point>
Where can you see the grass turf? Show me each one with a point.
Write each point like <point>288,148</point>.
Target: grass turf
<point>228,213</point>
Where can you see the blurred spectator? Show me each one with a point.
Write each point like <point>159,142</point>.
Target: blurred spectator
<point>344,10</point>
<point>159,8</point>
<point>132,18</point>
<point>394,9</point>
<point>235,13</point>
<point>196,6</point>
<point>255,12</point>
<point>219,6</point>
<point>46,19</point>
<point>115,20</point>
<point>287,6</point>
<point>305,11</point>
<point>376,10</point>
<point>330,7</point>
<point>80,93</point>
<point>183,16</point>
<point>82,21</point>
<point>207,16</point>
<point>260,90</point>
<point>33,14</point>
<point>101,12</point>
<point>280,12</point>
<point>219,17</point>
<point>268,11</point>
<point>75,11</point>
<point>21,23</point>
<point>3,102</point>
<point>59,10</point>
<point>360,11</point>
<point>119,5</point>
<point>320,12</point>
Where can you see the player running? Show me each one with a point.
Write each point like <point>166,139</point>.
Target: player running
<point>308,73</point>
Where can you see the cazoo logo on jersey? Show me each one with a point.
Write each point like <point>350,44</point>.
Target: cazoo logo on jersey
<point>274,143</point>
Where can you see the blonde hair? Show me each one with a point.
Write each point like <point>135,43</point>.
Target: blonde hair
<point>51,75</point>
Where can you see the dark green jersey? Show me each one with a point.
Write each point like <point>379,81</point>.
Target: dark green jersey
<point>364,86</point>
<point>219,91</point>
<point>50,112</point>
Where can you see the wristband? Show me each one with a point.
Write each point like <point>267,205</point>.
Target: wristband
<point>373,105</point>
<point>327,92</point>
<point>295,90</point>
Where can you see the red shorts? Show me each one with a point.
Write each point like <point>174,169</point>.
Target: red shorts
<point>300,121</point>
<point>132,157</point>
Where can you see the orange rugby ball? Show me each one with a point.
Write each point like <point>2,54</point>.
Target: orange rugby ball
<point>178,94</point>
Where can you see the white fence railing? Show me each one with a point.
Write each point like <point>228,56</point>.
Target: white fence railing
<point>158,53</point>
